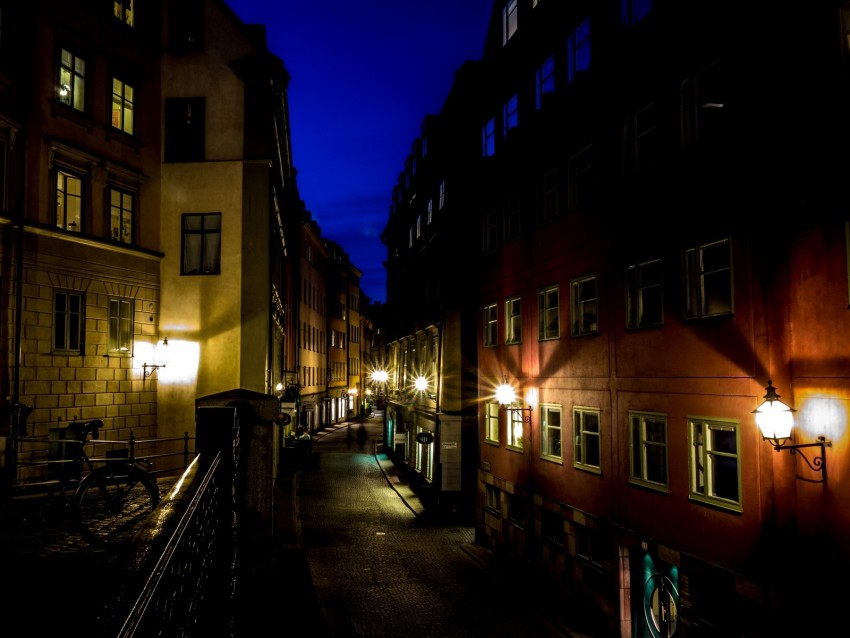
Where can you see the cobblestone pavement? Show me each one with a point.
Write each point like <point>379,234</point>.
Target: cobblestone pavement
<point>380,568</point>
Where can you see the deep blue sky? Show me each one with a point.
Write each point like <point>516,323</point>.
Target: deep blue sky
<point>363,77</point>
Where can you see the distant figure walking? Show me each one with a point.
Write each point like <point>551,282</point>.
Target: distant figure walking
<point>361,435</point>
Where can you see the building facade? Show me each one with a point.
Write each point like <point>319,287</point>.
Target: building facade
<point>641,290</point>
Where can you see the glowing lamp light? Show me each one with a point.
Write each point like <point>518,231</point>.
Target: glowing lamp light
<point>775,420</point>
<point>505,394</point>
<point>380,376</point>
<point>421,384</point>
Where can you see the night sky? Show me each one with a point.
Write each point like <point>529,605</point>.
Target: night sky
<point>363,77</point>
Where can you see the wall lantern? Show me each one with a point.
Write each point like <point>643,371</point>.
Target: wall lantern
<point>506,395</point>
<point>148,368</point>
<point>775,420</point>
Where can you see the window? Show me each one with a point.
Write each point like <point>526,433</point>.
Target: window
<point>491,425</point>
<point>548,324</point>
<point>552,527</point>
<point>490,325</point>
<point>581,179</point>
<point>633,11</point>
<point>201,244</point>
<point>590,546</point>
<point>442,200</point>
<point>517,507</point>
<point>72,80</point>
<point>513,220</point>
<point>550,431</point>
<point>587,445</point>
<point>185,121</point>
<point>514,428</point>
<point>122,106</point>
<point>509,20</point>
<point>430,210</point>
<point>550,195</point>
<point>69,201</point>
<point>708,280</point>
<point>545,80</point>
<point>584,306</point>
<point>714,469</point>
<point>491,231</point>
<point>648,449</point>
<point>644,294</point>
<point>418,226</point>
<point>120,326</point>
<point>123,10</point>
<point>703,100</point>
<point>491,495</point>
<point>641,138</point>
<point>121,206</point>
<point>578,50</point>
<point>68,322</point>
<point>488,138</point>
<point>513,320</point>
<point>510,115</point>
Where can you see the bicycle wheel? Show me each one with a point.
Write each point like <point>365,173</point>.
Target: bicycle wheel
<point>111,502</point>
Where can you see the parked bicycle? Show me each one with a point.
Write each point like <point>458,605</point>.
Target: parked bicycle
<point>109,497</point>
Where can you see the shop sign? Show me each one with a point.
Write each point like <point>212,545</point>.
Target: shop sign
<point>425,438</point>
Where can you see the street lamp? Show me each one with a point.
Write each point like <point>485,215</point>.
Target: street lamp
<point>775,420</point>
<point>506,396</point>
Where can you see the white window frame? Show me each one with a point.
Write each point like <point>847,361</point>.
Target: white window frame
<point>120,312</point>
<point>72,80</point>
<point>123,106</point>
<point>509,20</point>
<point>514,429</point>
<point>491,422</point>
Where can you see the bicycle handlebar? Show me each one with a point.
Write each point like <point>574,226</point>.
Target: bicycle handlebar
<point>87,427</point>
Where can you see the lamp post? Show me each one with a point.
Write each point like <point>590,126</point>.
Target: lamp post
<point>775,420</point>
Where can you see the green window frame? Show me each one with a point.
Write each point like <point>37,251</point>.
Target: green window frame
<point>648,462</point>
<point>548,319</point>
<point>587,443</point>
<point>714,462</point>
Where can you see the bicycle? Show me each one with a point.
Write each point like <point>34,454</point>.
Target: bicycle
<point>109,501</point>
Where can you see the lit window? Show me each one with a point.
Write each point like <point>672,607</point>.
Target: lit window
<point>122,106</point>
<point>72,80</point>
<point>123,10</point>
<point>121,206</point>
<point>515,426</point>
<point>69,201</point>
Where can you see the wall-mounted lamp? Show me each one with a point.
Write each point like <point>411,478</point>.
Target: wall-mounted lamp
<point>148,368</point>
<point>775,420</point>
<point>506,396</point>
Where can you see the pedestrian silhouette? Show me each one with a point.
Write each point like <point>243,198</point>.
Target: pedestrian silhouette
<point>361,435</point>
<point>348,435</point>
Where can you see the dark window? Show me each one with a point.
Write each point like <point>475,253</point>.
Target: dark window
<point>201,244</point>
<point>68,322</point>
<point>185,121</point>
